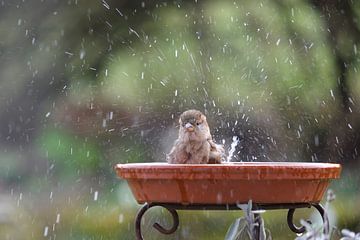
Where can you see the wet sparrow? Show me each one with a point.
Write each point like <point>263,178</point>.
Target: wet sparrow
<point>194,144</point>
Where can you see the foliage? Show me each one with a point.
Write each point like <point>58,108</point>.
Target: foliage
<point>251,226</point>
<point>69,154</point>
<point>349,235</point>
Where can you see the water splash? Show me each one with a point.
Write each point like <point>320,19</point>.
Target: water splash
<point>235,142</point>
<point>46,231</point>
<point>96,194</point>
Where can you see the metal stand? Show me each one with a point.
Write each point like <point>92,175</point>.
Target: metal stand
<point>172,208</point>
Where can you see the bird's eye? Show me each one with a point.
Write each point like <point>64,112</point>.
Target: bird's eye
<point>198,123</point>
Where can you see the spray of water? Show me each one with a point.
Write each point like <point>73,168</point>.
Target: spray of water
<point>235,142</point>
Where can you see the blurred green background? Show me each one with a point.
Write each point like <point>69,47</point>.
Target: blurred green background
<point>88,84</point>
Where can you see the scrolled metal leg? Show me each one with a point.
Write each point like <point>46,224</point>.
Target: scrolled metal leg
<point>138,221</point>
<point>291,224</point>
<point>175,225</point>
<point>157,226</point>
<point>321,210</point>
<point>302,229</point>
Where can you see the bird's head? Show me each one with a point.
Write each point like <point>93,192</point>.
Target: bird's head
<point>193,124</point>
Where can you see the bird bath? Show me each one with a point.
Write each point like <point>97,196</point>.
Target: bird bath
<point>270,185</point>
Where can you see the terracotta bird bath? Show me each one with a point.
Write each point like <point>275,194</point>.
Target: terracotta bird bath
<point>270,185</point>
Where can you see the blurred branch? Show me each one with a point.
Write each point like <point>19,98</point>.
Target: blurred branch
<point>342,23</point>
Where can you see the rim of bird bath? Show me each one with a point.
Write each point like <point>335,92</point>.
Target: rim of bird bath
<point>269,185</point>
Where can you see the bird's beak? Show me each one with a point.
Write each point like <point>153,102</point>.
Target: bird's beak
<point>189,127</point>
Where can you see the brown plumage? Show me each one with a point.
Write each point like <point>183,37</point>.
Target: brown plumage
<point>194,144</point>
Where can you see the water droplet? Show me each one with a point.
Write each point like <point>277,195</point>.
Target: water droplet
<point>316,140</point>
<point>105,4</point>
<point>332,94</point>
<point>82,54</point>
<point>121,218</point>
<point>46,231</point>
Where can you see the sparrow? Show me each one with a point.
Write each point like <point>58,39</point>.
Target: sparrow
<point>194,144</point>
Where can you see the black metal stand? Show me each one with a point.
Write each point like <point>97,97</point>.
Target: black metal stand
<point>172,208</point>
